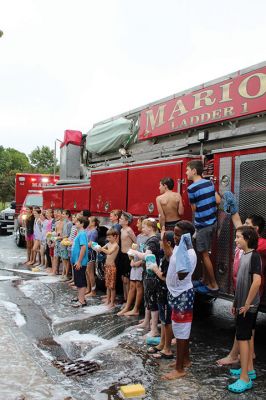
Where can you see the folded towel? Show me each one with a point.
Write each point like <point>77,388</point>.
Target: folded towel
<point>182,259</point>
<point>230,204</point>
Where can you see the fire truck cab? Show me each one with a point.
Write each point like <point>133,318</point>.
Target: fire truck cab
<point>29,188</point>
<point>120,161</point>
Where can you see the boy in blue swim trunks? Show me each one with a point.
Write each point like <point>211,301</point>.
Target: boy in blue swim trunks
<point>79,259</point>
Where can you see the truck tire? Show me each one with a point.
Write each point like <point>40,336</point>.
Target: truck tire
<point>19,238</point>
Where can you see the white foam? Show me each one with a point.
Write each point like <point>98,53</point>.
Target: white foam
<point>76,337</point>
<point>49,279</point>
<point>27,288</point>
<point>46,354</point>
<point>96,310</point>
<point>16,314</point>
<point>24,271</point>
<point>9,278</point>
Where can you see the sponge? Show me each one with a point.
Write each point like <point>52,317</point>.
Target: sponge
<point>129,391</point>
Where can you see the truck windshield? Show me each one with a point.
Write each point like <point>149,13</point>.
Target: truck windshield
<point>33,200</point>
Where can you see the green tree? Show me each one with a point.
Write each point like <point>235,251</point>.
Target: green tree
<point>11,162</point>
<point>42,160</point>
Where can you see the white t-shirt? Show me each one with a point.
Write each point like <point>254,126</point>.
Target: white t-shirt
<point>174,284</point>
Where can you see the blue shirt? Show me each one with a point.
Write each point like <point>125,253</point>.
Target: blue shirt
<point>80,240</point>
<point>202,195</point>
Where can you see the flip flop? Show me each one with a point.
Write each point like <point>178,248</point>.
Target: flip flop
<point>152,350</point>
<point>197,284</point>
<point>206,290</point>
<point>240,386</point>
<point>79,304</point>
<point>237,372</point>
<point>163,356</point>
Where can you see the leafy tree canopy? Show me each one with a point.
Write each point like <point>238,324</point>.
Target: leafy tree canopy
<point>42,160</point>
<point>11,162</point>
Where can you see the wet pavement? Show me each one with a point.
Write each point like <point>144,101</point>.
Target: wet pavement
<point>40,327</point>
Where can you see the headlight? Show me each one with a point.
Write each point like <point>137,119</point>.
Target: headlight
<point>2,215</point>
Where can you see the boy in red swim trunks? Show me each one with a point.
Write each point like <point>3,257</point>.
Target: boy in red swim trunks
<point>111,250</point>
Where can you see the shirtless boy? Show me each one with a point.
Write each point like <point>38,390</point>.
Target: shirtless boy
<point>59,233</point>
<point>169,204</point>
<point>127,238</point>
<point>111,250</point>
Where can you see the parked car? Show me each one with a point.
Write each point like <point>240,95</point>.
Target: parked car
<point>7,219</point>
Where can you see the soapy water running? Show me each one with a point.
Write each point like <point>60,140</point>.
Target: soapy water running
<point>94,333</point>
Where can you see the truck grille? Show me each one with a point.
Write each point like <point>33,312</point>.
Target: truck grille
<point>251,188</point>
<point>9,217</point>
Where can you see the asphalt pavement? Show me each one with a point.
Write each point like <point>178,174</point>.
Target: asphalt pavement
<point>38,326</point>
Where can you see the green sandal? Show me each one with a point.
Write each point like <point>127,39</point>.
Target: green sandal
<point>240,386</point>
<point>237,372</point>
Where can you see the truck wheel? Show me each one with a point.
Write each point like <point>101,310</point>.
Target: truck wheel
<point>19,238</point>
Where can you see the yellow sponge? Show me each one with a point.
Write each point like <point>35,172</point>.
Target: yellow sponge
<point>132,390</point>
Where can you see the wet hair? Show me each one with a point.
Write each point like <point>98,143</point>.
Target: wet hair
<point>169,182</point>
<point>30,208</point>
<point>37,209</point>
<point>142,217</point>
<point>168,236</point>
<point>68,213</point>
<point>86,213</point>
<point>112,232</point>
<point>186,227</point>
<point>197,165</point>
<point>95,220</point>
<point>116,212</point>
<point>257,220</point>
<point>250,235</point>
<point>127,216</point>
<point>83,221</point>
<point>151,223</point>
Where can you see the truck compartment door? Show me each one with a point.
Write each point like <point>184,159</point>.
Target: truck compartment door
<point>53,198</point>
<point>108,190</point>
<point>76,198</point>
<point>143,185</point>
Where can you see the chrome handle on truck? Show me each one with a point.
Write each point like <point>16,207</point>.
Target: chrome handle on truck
<point>179,183</point>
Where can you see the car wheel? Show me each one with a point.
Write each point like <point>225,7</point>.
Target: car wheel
<point>19,238</point>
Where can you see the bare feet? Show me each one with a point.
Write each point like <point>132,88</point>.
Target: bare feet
<point>187,364</point>
<point>143,325</point>
<point>91,294</point>
<point>173,375</point>
<point>228,360</point>
<point>131,313</point>
<point>122,312</point>
<point>152,334</point>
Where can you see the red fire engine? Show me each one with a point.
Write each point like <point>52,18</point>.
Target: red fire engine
<point>120,161</point>
<point>28,192</point>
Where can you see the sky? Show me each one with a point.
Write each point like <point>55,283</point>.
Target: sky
<point>69,64</point>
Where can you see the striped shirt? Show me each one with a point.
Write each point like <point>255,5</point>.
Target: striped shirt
<point>202,195</point>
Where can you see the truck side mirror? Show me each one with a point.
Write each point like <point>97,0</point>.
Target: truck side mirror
<point>13,205</point>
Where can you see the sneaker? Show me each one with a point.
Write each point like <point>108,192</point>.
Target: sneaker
<point>35,269</point>
<point>64,278</point>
